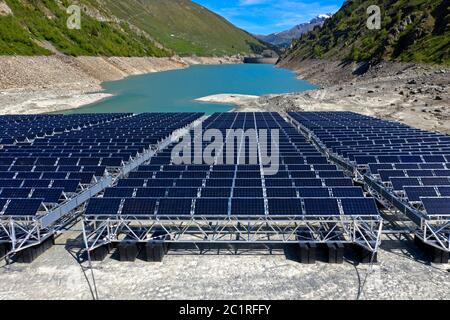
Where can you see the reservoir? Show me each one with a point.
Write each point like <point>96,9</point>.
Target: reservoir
<point>175,91</point>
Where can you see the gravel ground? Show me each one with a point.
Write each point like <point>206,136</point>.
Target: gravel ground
<point>253,275</point>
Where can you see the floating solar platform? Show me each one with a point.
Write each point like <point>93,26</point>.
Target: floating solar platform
<point>51,165</point>
<point>404,168</point>
<point>238,202</point>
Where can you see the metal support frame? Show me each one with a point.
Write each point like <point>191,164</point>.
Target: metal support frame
<point>20,233</point>
<point>361,230</point>
<point>432,230</point>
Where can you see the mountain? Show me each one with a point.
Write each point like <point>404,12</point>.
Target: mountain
<point>284,38</point>
<point>120,28</point>
<point>411,31</point>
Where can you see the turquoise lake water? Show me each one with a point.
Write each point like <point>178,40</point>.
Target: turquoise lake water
<point>175,91</point>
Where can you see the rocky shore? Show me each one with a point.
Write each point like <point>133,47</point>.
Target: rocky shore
<point>58,82</point>
<point>417,95</point>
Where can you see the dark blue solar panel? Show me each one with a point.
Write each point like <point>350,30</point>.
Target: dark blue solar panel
<point>216,192</point>
<point>339,182</point>
<point>84,177</point>
<point>209,207</point>
<point>221,174</point>
<point>150,193</point>
<point>278,182</point>
<point>15,193</point>
<point>67,185</point>
<point>197,183</point>
<point>48,195</point>
<point>444,191</point>
<point>303,174</point>
<point>437,206</point>
<point>415,193</point>
<point>442,173</point>
<point>23,207</point>
<point>2,204</point>
<point>308,182</point>
<point>177,207</point>
<point>385,175</point>
<point>118,193</point>
<point>247,207</point>
<point>219,182</point>
<point>131,183</point>
<point>288,207</point>
<point>248,193</point>
<point>399,183</point>
<point>100,207</point>
<point>4,183</point>
<point>331,174</point>
<point>139,207</point>
<point>36,183</point>
<point>248,183</point>
<point>183,193</point>
<point>419,173</point>
<point>436,181</point>
<point>281,193</point>
<point>350,192</point>
<point>156,183</point>
<point>359,206</point>
<point>313,192</point>
<point>410,159</point>
<point>320,207</point>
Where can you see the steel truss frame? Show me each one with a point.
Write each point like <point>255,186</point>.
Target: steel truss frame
<point>432,230</point>
<point>20,233</point>
<point>364,231</point>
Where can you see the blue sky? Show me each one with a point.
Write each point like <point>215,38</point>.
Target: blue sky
<point>267,16</point>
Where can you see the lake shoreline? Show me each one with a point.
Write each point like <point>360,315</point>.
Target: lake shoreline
<point>33,85</point>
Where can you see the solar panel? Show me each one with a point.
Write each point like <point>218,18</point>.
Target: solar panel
<point>331,174</point>
<point>415,193</point>
<point>15,193</point>
<point>278,182</point>
<point>248,193</point>
<point>288,207</point>
<point>23,207</point>
<point>216,193</point>
<point>183,193</point>
<point>436,181</point>
<point>131,183</point>
<point>399,183</point>
<point>150,192</point>
<point>303,174</point>
<point>139,207</point>
<point>118,193</point>
<point>207,207</point>
<point>248,183</point>
<point>67,185</point>
<point>321,207</point>
<point>48,195</point>
<point>103,207</point>
<point>2,204</point>
<point>360,206</point>
<point>36,183</point>
<point>281,193</point>
<point>313,192</point>
<point>436,206</point>
<point>5,183</point>
<point>339,182</point>
<point>444,191</point>
<point>156,183</point>
<point>348,192</point>
<point>247,207</point>
<point>308,182</point>
<point>178,207</point>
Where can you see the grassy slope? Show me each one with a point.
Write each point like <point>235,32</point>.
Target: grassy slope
<point>184,26</point>
<point>45,20</point>
<point>181,26</point>
<point>412,30</point>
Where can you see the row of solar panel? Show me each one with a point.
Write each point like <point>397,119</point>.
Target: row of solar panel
<point>385,175</point>
<point>7,162</point>
<point>307,182</point>
<point>234,207</point>
<point>375,168</point>
<point>220,168</point>
<point>252,192</point>
<point>48,195</point>
<point>237,174</point>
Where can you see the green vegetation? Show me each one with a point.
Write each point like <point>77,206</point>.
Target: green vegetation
<point>417,30</point>
<point>45,20</point>
<point>121,28</point>
<point>183,26</point>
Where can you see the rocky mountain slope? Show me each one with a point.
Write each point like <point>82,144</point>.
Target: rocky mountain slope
<point>284,38</point>
<point>411,31</point>
<point>128,28</point>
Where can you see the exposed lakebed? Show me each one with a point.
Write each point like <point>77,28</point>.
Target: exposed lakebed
<point>176,91</point>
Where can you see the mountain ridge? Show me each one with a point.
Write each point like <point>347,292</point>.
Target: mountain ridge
<point>284,38</point>
<point>417,31</point>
